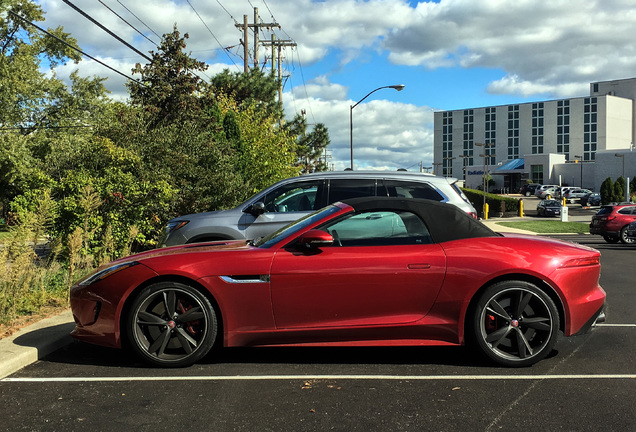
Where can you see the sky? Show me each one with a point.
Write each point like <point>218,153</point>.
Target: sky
<point>449,54</point>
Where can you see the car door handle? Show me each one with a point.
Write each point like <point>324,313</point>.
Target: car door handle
<point>419,266</point>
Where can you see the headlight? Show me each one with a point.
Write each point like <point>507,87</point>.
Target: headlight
<point>175,225</point>
<point>108,271</point>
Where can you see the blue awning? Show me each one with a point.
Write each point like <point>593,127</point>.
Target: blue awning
<point>514,166</point>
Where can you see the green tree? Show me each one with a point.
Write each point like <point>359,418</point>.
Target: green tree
<point>607,191</point>
<point>251,89</point>
<point>619,190</point>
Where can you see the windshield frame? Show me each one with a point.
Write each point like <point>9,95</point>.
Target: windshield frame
<point>294,227</point>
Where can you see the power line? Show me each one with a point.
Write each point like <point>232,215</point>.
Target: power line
<point>129,24</point>
<point>91,19</point>
<point>76,49</point>
<point>226,11</point>
<point>217,41</point>
<point>138,19</point>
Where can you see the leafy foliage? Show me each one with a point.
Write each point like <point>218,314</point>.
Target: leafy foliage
<point>607,191</point>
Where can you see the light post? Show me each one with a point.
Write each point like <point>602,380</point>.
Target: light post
<point>398,87</point>
<point>485,146</point>
<point>436,164</point>
<point>580,159</point>
<point>464,160</point>
<point>451,159</point>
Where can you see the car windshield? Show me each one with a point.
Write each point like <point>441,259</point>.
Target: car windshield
<point>272,239</point>
<point>552,203</point>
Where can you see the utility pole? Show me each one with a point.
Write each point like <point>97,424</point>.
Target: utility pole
<point>278,44</point>
<point>256,26</point>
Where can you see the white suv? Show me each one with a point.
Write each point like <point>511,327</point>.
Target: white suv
<point>293,198</point>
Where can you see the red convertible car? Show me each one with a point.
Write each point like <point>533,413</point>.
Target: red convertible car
<point>366,271</point>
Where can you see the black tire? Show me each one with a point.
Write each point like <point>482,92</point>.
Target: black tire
<point>515,324</point>
<point>610,239</point>
<point>171,324</point>
<point>623,236</point>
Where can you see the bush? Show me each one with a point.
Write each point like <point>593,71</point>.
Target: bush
<point>476,198</point>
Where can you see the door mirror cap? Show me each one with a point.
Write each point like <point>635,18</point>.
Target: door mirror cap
<point>256,209</point>
<point>315,238</point>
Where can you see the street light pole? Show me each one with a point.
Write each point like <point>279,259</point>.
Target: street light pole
<point>398,87</point>
<point>580,159</point>
<point>485,146</point>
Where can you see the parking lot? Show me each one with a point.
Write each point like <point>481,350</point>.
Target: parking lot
<point>588,383</point>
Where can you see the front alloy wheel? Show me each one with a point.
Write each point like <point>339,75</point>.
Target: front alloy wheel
<point>171,325</point>
<point>515,323</point>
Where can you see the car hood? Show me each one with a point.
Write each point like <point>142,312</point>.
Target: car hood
<point>217,246</point>
<point>206,215</point>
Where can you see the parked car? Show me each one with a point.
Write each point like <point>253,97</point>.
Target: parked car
<point>293,198</point>
<point>367,271</point>
<point>549,207</point>
<point>611,222</point>
<point>591,199</point>
<point>546,193</point>
<point>539,190</point>
<point>631,231</point>
<point>575,194</point>
<point>528,189</point>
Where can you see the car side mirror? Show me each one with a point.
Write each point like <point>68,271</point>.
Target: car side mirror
<point>315,238</point>
<point>256,209</point>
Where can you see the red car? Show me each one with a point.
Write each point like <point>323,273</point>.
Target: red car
<point>366,271</point>
<point>611,222</point>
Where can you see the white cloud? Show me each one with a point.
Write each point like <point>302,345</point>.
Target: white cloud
<point>554,48</point>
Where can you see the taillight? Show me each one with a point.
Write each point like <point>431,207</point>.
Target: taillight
<point>473,214</point>
<point>581,262</point>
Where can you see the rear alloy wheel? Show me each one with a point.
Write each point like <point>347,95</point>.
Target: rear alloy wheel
<point>623,236</point>
<point>610,239</point>
<point>515,324</point>
<point>171,324</point>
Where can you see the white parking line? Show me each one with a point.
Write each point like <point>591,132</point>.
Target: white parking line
<point>324,377</point>
<point>615,325</point>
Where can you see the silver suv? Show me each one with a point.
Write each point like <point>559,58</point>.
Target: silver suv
<point>293,198</point>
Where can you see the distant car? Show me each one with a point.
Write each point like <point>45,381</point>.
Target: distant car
<point>631,231</point>
<point>591,199</point>
<point>528,189</point>
<point>561,191</point>
<point>540,191</point>
<point>575,194</point>
<point>295,197</point>
<point>547,193</point>
<point>364,272</point>
<point>549,208</point>
<point>611,222</point>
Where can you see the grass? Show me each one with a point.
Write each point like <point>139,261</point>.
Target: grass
<point>549,227</point>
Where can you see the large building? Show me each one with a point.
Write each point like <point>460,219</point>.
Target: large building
<point>576,142</point>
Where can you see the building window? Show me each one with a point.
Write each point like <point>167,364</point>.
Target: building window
<point>537,173</point>
<point>513,131</point>
<point>537,128</point>
<point>490,137</point>
<point>563,128</point>
<point>590,116</point>
<point>447,143</point>
<point>469,137</point>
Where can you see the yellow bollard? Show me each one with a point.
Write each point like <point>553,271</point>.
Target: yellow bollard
<point>486,207</point>
<point>520,208</point>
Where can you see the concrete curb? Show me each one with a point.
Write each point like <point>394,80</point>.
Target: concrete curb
<point>35,342</point>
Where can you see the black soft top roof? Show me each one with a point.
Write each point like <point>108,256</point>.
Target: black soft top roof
<point>444,221</point>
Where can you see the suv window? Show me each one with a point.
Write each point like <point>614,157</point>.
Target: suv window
<point>404,189</point>
<point>379,228</point>
<point>294,197</point>
<point>627,210</point>
<point>341,189</point>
